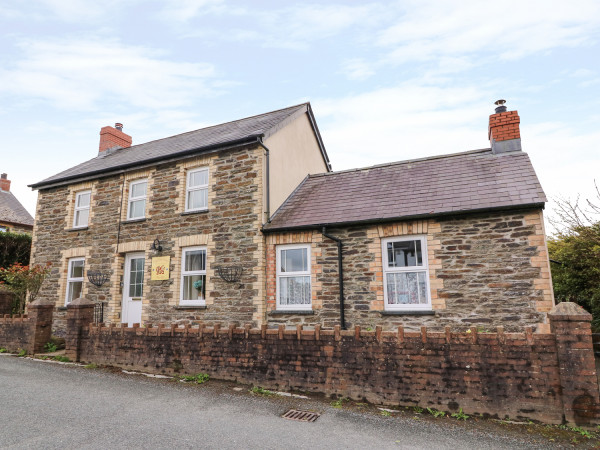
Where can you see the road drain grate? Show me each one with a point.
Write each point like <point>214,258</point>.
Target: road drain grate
<point>301,416</point>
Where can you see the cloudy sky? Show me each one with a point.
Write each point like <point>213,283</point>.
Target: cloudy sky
<point>387,80</point>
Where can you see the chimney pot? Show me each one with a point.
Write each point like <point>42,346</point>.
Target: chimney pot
<point>119,126</point>
<point>500,108</point>
<point>3,176</point>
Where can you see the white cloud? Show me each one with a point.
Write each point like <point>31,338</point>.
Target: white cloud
<point>186,10</point>
<point>415,120</point>
<point>409,121</point>
<point>290,27</point>
<point>358,69</point>
<point>507,30</point>
<point>81,74</point>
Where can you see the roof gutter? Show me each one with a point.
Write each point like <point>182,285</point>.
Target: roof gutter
<point>340,275</point>
<point>148,162</point>
<point>318,226</point>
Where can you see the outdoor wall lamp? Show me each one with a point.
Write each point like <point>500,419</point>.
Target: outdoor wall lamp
<point>156,246</point>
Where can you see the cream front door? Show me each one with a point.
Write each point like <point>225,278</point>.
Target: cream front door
<point>133,288</point>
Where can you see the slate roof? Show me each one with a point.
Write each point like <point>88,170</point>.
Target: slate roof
<point>237,132</point>
<point>12,211</point>
<point>447,184</point>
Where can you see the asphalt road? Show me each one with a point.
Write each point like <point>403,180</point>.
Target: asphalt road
<point>46,405</point>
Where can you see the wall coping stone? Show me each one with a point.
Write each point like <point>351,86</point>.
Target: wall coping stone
<point>41,303</point>
<point>81,303</point>
<point>569,311</point>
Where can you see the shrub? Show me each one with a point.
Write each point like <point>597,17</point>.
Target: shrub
<point>24,282</point>
<point>14,248</point>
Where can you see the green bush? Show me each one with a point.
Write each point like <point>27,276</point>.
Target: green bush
<point>14,248</point>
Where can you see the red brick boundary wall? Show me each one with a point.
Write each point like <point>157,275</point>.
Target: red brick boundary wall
<point>28,332</point>
<point>547,377</point>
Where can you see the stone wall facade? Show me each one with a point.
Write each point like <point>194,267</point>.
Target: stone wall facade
<point>485,270</point>
<point>229,229</point>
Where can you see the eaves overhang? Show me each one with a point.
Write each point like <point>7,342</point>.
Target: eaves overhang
<point>444,214</point>
<point>249,140</point>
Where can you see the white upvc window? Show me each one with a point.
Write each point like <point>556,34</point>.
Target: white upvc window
<point>81,214</point>
<point>193,276</point>
<point>406,274</point>
<point>75,271</point>
<point>293,277</point>
<point>136,206</point>
<point>196,190</point>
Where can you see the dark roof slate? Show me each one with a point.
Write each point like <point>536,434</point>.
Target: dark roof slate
<point>212,137</point>
<point>12,211</point>
<point>475,180</point>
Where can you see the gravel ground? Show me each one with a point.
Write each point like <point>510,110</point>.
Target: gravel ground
<point>50,405</point>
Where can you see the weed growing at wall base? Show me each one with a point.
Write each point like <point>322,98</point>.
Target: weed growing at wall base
<point>50,347</point>
<point>460,415</point>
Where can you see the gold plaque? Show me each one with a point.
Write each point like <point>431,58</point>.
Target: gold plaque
<point>160,267</point>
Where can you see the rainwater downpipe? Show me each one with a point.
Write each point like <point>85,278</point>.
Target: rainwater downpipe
<point>340,275</point>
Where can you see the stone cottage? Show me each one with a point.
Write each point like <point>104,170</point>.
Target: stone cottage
<point>14,217</point>
<point>244,222</point>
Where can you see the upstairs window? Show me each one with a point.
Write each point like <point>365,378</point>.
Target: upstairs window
<point>196,193</point>
<point>293,277</point>
<point>136,208</point>
<point>74,279</point>
<point>406,276</point>
<point>193,276</point>
<point>81,213</point>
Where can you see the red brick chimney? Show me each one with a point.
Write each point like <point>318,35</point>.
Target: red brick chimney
<point>503,131</point>
<point>4,183</point>
<point>113,137</point>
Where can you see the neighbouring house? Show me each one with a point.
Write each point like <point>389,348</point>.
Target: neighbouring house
<point>13,216</point>
<point>244,222</point>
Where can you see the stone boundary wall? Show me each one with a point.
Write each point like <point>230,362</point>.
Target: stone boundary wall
<point>29,332</point>
<point>547,377</point>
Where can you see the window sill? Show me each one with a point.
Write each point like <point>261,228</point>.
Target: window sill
<point>185,307</point>
<point>279,312</point>
<point>133,221</point>
<point>190,213</point>
<point>409,312</point>
<point>69,230</point>
<point>61,308</point>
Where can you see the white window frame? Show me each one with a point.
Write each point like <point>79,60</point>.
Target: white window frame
<point>133,199</point>
<point>279,275</point>
<point>81,208</point>
<point>74,279</point>
<point>189,188</point>
<point>188,273</point>
<point>387,270</point>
